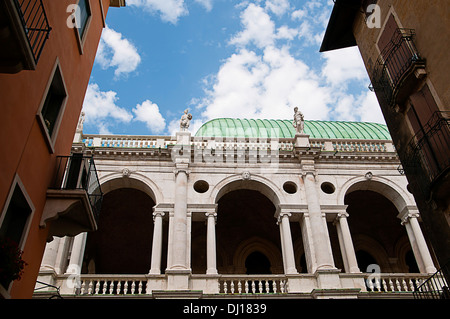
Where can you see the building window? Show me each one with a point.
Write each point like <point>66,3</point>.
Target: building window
<point>16,215</point>
<point>52,108</point>
<point>83,14</point>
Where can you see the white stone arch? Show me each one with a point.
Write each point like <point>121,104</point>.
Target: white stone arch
<point>381,185</point>
<point>137,181</point>
<point>262,245</point>
<point>255,182</point>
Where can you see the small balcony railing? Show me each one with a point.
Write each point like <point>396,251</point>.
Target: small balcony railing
<point>427,156</point>
<point>35,24</point>
<point>435,287</point>
<point>391,74</point>
<point>79,172</point>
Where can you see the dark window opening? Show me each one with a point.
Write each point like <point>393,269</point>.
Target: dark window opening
<point>16,216</point>
<point>365,260</point>
<point>53,103</point>
<point>257,263</point>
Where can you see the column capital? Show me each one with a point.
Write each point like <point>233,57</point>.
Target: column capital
<point>406,218</point>
<point>180,168</point>
<point>211,215</point>
<point>339,216</point>
<point>310,172</point>
<point>281,215</point>
<point>158,214</point>
<point>308,167</point>
<point>407,213</point>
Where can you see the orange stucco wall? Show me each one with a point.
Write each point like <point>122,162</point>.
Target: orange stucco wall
<point>25,151</point>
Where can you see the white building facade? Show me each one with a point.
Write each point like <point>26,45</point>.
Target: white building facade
<point>246,209</point>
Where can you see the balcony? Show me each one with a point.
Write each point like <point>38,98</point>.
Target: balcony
<point>24,29</point>
<point>398,68</point>
<point>427,155</point>
<point>74,198</point>
<point>85,286</point>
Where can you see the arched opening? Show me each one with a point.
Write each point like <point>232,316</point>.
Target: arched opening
<point>257,263</point>
<point>376,228</point>
<point>123,242</point>
<point>245,221</point>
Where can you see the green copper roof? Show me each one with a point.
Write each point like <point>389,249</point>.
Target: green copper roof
<point>227,127</point>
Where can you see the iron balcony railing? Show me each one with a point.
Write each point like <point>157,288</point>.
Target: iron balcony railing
<point>396,61</point>
<point>435,287</point>
<point>79,172</point>
<point>35,24</point>
<point>427,156</point>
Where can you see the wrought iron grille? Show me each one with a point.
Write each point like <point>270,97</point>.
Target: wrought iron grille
<point>427,156</point>
<point>435,287</point>
<point>394,62</point>
<point>35,24</point>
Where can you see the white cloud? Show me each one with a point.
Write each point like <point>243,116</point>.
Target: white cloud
<point>170,10</point>
<point>99,105</point>
<point>258,28</point>
<point>148,112</point>
<point>114,51</point>
<point>279,7</point>
<point>369,108</point>
<point>267,86</point>
<point>207,4</point>
<point>343,65</point>
<point>268,81</point>
<point>284,32</point>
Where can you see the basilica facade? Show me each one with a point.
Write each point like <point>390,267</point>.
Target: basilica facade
<point>245,208</point>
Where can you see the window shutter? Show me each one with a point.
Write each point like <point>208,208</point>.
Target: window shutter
<point>387,34</point>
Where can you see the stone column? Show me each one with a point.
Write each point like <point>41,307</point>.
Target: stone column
<point>346,244</point>
<point>319,235</point>
<point>286,244</point>
<point>157,243</point>
<point>178,270</point>
<point>211,267</point>
<point>50,255</point>
<point>418,243</point>
<point>178,247</point>
<point>76,257</point>
<point>308,245</point>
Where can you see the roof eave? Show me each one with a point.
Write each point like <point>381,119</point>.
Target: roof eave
<point>339,32</point>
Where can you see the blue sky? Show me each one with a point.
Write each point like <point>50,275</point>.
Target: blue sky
<point>221,58</point>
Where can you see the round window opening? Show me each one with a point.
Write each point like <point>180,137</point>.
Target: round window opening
<point>201,186</point>
<point>327,188</point>
<point>290,187</point>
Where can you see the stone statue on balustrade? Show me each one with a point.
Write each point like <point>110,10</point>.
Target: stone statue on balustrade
<point>185,121</point>
<point>80,123</point>
<point>299,122</point>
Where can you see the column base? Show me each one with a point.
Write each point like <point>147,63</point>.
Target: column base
<point>328,278</point>
<point>212,271</point>
<point>178,279</point>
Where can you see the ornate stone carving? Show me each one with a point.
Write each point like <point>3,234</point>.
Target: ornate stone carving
<point>185,121</point>
<point>298,121</point>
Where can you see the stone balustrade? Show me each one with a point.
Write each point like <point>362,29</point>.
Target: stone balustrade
<point>229,284</point>
<point>394,282</point>
<point>224,144</point>
<point>256,284</point>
